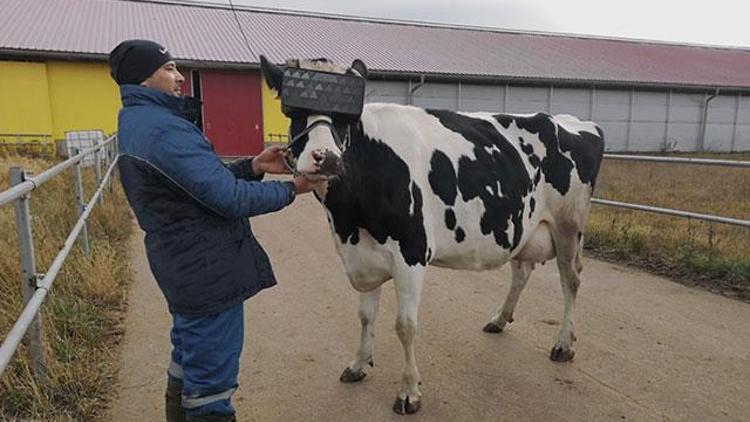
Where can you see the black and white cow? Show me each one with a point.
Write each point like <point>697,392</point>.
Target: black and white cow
<point>417,187</point>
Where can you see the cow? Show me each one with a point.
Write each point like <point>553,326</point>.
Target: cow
<point>406,187</point>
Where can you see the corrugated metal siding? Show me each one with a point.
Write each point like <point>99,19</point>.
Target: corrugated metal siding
<point>47,99</point>
<point>82,96</point>
<point>210,34</point>
<point>656,121</point>
<point>481,98</point>
<point>742,136</point>
<point>24,103</point>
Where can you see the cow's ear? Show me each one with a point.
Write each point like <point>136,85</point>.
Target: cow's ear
<point>360,67</point>
<point>273,74</point>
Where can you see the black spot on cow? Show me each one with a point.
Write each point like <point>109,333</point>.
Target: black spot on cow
<point>504,120</point>
<point>496,162</point>
<point>555,165</point>
<point>450,219</point>
<point>528,149</point>
<point>585,149</point>
<point>460,235</point>
<point>442,178</point>
<point>354,239</point>
<point>532,205</point>
<point>376,195</point>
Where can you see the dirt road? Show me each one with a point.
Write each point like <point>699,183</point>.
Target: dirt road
<point>648,349</point>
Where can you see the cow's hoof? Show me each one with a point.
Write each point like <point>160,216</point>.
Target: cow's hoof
<point>559,354</point>
<point>493,328</point>
<point>352,376</point>
<point>406,407</point>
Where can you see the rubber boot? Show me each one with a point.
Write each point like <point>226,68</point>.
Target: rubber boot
<point>173,403</point>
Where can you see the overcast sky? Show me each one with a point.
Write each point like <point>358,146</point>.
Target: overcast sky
<point>716,22</point>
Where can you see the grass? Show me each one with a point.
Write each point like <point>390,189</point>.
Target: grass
<point>83,312</point>
<point>715,256</point>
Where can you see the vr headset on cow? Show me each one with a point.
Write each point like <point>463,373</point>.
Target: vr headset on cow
<point>321,87</point>
<point>318,87</point>
<point>308,91</point>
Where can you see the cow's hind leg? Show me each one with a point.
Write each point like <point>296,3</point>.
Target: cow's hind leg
<point>368,311</point>
<point>521,271</point>
<point>569,265</point>
<point>408,294</point>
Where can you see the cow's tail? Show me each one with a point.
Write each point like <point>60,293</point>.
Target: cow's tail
<point>597,156</point>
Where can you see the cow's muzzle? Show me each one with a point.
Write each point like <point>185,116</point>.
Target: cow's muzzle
<point>328,163</point>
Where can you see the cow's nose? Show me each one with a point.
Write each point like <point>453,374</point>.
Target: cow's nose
<point>318,155</point>
<point>330,163</point>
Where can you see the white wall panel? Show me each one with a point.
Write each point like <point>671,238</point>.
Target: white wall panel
<point>611,110</point>
<point>482,98</point>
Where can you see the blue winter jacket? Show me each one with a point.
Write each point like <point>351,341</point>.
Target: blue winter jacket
<point>193,208</point>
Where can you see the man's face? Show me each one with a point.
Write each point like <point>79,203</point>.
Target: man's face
<point>166,79</point>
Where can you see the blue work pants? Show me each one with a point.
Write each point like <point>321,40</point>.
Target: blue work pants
<point>206,358</point>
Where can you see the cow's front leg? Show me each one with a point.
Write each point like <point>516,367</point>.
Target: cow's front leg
<point>408,294</point>
<point>368,311</point>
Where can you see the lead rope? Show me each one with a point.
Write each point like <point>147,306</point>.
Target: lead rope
<point>347,138</point>
<point>288,157</point>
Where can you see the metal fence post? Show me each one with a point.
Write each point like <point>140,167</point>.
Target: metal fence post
<point>113,155</point>
<point>105,153</point>
<point>80,202</point>
<point>98,164</point>
<point>28,274</point>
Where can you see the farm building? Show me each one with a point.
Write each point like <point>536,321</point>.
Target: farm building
<point>647,96</point>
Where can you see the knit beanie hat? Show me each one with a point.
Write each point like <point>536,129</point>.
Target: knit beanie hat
<point>133,61</point>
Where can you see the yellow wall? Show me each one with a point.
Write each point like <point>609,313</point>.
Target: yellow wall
<point>82,97</point>
<point>54,97</point>
<point>274,121</point>
<point>24,102</point>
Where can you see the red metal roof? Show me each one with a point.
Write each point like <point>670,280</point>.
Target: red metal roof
<point>209,33</point>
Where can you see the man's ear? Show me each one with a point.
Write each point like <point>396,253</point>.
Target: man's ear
<point>360,67</point>
<point>273,74</point>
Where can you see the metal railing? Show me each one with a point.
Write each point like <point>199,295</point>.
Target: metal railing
<point>670,211</point>
<point>681,160</point>
<point>35,285</point>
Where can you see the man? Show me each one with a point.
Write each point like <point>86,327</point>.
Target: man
<point>194,210</point>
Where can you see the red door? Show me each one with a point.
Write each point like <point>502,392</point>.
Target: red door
<point>232,116</point>
<point>187,86</point>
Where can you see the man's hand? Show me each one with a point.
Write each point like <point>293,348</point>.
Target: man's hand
<point>271,161</point>
<point>303,185</point>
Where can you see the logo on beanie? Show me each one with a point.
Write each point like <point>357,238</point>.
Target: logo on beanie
<point>163,50</point>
